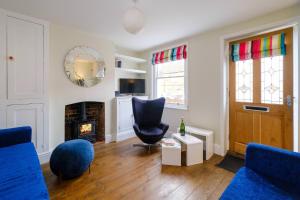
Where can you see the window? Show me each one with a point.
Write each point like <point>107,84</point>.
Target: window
<point>272,80</point>
<point>244,81</point>
<point>170,82</point>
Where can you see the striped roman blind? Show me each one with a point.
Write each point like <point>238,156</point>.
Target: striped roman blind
<point>168,55</point>
<point>259,48</point>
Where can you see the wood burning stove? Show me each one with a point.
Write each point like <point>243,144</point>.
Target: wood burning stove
<point>85,120</point>
<point>86,130</point>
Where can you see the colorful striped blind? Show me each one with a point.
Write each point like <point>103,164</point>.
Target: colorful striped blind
<point>241,51</point>
<point>259,48</point>
<point>168,55</point>
<point>269,46</point>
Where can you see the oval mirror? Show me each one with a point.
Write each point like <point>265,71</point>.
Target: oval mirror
<point>84,66</point>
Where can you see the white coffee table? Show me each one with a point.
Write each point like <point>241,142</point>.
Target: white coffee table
<point>206,135</point>
<point>171,155</point>
<point>194,148</point>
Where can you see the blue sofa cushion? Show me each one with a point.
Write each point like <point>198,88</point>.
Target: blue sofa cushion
<point>14,136</point>
<point>247,184</point>
<point>20,174</point>
<point>280,164</point>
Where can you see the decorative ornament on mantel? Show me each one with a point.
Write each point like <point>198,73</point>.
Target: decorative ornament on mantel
<point>134,19</point>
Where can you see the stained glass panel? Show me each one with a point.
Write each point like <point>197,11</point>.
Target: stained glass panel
<point>244,81</point>
<point>272,80</point>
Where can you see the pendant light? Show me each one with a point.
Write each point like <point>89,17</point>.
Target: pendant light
<point>134,19</point>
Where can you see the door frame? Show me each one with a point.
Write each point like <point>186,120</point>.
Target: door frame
<point>224,77</point>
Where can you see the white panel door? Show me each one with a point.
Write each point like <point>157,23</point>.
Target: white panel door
<point>2,56</point>
<point>28,115</point>
<point>25,63</point>
<point>125,114</point>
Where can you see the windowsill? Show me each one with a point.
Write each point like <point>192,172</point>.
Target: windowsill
<point>177,107</point>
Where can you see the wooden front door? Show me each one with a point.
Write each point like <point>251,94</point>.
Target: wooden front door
<point>261,99</point>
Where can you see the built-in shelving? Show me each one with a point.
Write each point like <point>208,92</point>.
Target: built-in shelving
<point>130,58</point>
<point>129,70</point>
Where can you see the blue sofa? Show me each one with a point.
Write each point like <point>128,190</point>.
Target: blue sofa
<point>269,173</point>
<point>20,172</point>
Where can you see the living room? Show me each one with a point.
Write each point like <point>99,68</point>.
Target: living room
<point>149,100</point>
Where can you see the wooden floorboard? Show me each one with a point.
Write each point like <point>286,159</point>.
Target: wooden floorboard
<point>121,171</point>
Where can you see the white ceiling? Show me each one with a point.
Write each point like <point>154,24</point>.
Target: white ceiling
<point>167,20</point>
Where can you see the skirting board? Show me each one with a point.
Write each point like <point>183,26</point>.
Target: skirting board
<point>119,137</point>
<point>109,139</point>
<point>218,150</point>
<point>44,157</point>
<point>125,135</point>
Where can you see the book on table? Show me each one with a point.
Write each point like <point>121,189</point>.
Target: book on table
<point>169,141</point>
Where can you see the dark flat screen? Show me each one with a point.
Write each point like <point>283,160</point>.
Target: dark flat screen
<point>131,86</point>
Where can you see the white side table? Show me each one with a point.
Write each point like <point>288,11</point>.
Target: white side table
<point>171,155</point>
<point>194,148</point>
<point>203,134</point>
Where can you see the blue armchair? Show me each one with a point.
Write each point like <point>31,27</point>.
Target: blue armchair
<point>269,173</point>
<point>147,115</point>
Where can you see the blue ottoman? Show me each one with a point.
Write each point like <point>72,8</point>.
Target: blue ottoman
<point>72,158</point>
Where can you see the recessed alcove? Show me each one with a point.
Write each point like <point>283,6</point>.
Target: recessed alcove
<point>85,120</point>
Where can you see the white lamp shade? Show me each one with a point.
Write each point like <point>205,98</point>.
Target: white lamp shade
<point>133,20</point>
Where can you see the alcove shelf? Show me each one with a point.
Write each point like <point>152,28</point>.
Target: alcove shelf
<point>130,58</point>
<point>130,70</point>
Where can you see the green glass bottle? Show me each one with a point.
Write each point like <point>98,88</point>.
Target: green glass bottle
<point>182,128</point>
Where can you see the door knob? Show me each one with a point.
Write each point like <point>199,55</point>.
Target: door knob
<point>11,58</point>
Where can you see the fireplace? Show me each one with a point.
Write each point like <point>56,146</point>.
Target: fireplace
<point>85,120</point>
<point>85,130</point>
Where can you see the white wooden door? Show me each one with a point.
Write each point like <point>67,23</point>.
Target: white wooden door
<point>2,56</point>
<point>28,115</point>
<point>125,114</point>
<point>25,63</point>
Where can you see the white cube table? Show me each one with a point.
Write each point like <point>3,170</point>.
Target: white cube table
<point>171,155</point>
<point>203,134</point>
<point>194,148</point>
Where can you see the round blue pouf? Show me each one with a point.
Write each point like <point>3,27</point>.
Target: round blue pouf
<point>72,158</point>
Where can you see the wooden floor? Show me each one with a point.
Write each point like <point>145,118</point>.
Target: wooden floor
<point>121,171</point>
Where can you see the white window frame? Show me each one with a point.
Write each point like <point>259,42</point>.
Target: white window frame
<point>154,83</point>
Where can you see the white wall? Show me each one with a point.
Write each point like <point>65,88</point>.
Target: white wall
<point>204,72</point>
<point>63,92</point>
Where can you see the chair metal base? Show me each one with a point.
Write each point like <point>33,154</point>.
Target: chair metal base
<point>147,146</point>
